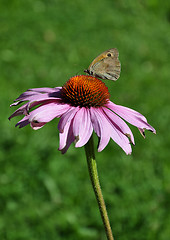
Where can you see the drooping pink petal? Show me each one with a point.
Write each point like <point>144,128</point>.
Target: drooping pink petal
<point>63,136</point>
<point>37,98</point>
<point>23,122</point>
<point>24,109</point>
<point>122,140</point>
<point>103,128</point>
<point>37,125</point>
<point>38,94</point>
<point>95,123</point>
<point>66,137</point>
<point>41,102</point>
<point>20,111</point>
<point>48,112</point>
<point>37,91</point>
<point>16,103</point>
<point>45,89</point>
<point>119,124</point>
<point>30,96</point>
<point>113,132</point>
<point>82,127</point>
<point>67,117</point>
<point>131,116</point>
<point>142,131</point>
<point>27,95</point>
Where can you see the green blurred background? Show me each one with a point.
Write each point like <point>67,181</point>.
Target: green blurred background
<point>46,195</point>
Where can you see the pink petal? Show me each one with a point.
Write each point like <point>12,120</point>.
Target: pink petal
<point>23,122</point>
<point>131,116</point>
<point>48,112</point>
<point>121,140</point>
<point>27,95</point>
<point>45,89</point>
<point>39,97</point>
<point>67,117</point>
<point>66,137</point>
<point>82,127</point>
<point>20,111</point>
<point>37,125</point>
<point>101,124</point>
<point>63,136</point>
<point>119,124</point>
<point>39,94</point>
<point>116,134</point>
<point>95,122</point>
<point>15,103</point>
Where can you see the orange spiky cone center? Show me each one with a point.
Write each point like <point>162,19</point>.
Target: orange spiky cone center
<point>85,91</point>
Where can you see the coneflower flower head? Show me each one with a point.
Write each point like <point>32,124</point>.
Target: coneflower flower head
<point>83,105</point>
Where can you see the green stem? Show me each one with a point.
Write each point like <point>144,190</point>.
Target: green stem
<point>92,166</point>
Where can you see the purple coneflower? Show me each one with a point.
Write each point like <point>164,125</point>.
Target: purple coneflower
<point>83,105</point>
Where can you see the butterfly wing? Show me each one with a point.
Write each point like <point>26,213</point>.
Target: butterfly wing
<point>112,68</point>
<point>106,65</point>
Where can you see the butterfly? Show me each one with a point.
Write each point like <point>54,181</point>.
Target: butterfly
<point>106,65</point>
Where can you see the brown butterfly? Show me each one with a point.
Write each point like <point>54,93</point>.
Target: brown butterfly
<point>106,65</point>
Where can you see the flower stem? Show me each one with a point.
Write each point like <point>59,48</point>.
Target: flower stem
<point>92,166</point>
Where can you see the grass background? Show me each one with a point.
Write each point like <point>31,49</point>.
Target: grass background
<point>46,195</point>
